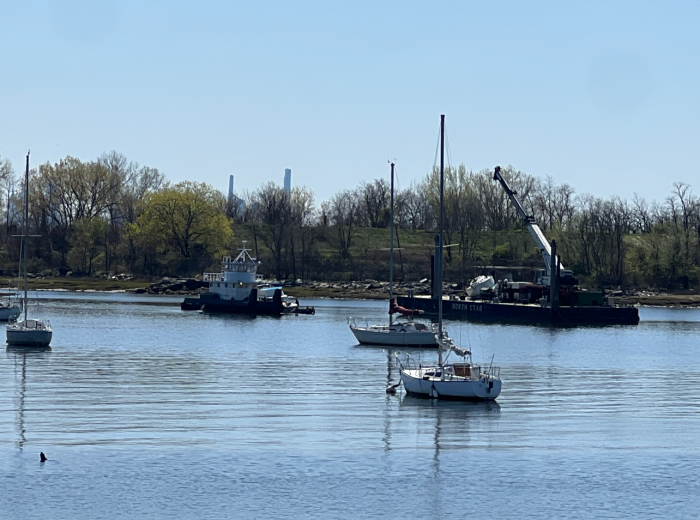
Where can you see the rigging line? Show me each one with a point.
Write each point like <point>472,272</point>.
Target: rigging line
<point>481,344</point>
<point>469,338</point>
<point>447,148</point>
<point>397,180</point>
<point>437,151</point>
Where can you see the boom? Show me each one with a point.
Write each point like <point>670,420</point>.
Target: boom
<point>529,220</point>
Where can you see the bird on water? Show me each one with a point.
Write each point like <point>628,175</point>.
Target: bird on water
<point>42,457</point>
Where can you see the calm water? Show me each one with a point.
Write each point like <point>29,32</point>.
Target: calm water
<point>148,412</point>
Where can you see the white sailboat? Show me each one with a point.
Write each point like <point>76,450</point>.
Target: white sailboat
<point>28,332</point>
<point>9,310</point>
<point>403,334</point>
<point>460,381</point>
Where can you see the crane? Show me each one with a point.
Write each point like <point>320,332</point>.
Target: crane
<point>542,276</point>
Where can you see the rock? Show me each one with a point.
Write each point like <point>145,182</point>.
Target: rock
<point>194,284</point>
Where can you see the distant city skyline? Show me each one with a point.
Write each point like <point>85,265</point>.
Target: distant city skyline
<point>286,183</point>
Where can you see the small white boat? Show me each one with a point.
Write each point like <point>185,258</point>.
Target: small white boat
<point>460,381</point>
<point>479,284</point>
<point>28,332</point>
<point>266,292</point>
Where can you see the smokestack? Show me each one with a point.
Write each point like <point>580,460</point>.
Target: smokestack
<point>230,188</point>
<point>287,181</point>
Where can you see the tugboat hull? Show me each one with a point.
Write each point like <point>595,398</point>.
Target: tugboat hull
<point>210,302</point>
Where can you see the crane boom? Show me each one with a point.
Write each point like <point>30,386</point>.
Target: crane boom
<point>529,220</point>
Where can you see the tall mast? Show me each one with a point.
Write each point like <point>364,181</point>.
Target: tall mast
<point>24,238</point>
<point>438,253</point>
<point>391,247</point>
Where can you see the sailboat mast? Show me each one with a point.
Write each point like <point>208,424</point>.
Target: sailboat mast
<point>24,238</point>
<point>391,247</point>
<point>438,270</point>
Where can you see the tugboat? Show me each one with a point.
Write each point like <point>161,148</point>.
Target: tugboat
<point>237,290</point>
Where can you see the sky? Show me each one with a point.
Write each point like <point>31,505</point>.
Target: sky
<point>604,96</point>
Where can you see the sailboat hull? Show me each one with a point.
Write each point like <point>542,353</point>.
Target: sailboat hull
<point>417,382</point>
<point>393,336</point>
<point>9,313</point>
<point>38,336</point>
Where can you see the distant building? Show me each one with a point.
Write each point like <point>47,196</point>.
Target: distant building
<point>236,204</point>
<point>287,181</point>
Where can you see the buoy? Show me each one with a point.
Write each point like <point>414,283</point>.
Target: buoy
<point>42,457</point>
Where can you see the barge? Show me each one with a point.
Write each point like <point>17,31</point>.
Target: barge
<point>523,312</point>
<point>553,298</point>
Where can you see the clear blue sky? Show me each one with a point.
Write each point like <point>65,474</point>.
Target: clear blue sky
<point>602,95</point>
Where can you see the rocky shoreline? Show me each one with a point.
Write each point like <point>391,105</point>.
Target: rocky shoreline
<point>365,290</point>
<point>376,290</point>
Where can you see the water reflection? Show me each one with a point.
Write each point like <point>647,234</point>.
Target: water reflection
<point>450,424</point>
<point>461,409</point>
<point>20,355</point>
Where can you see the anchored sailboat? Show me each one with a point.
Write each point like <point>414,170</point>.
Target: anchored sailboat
<point>28,332</point>
<point>463,380</point>
<point>405,334</point>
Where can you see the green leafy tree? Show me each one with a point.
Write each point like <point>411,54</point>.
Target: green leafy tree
<point>87,240</point>
<point>185,224</point>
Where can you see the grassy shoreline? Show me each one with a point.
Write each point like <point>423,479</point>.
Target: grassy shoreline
<point>82,284</point>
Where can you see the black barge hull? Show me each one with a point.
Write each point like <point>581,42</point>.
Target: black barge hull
<point>486,311</point>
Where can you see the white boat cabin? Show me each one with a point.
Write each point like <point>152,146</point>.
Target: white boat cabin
<point>237,278</point>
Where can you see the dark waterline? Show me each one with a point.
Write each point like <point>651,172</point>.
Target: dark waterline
<point>145,411</point>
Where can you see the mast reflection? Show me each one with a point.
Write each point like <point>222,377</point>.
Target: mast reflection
<point>20,356</point>
<point>453,420</point>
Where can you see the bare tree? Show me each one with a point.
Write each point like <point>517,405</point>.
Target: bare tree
<point>374,202</point>
<point>302,235</point>
<point>412,208</point>
<point>272,209</point>
<point>7,183</point>
<point>344,216</point>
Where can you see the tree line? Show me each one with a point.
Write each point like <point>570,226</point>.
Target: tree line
<point>112,215</point>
